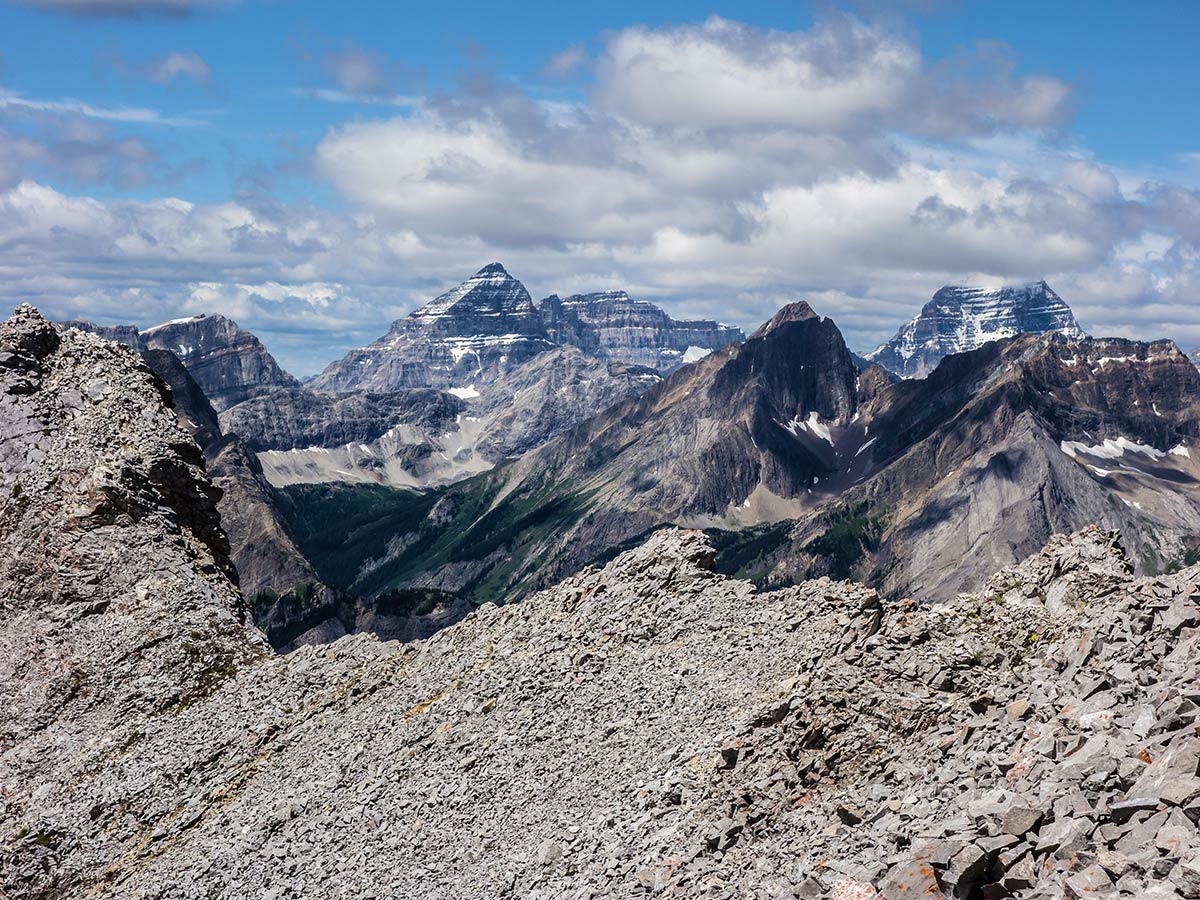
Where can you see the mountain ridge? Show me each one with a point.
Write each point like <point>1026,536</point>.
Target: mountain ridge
<point>783,429</point>
<point>480,329</point>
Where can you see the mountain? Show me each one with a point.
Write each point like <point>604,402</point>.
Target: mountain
<point>964,471</point>
<point>230,365</point>
<point>457,341</point>
<point>1032,740</point>
<point>442,437</point>
<point>805,467</point>
<point>119,596</point>
<point>1194,356</point>
<point>297,418</point>
<point>615,326</point>
<point>741,436</point>
<point>964,318</point>
<point>480,330</point>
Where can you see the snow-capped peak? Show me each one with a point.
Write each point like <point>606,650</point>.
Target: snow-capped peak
<point>491,290</point>
<point>960,318</point>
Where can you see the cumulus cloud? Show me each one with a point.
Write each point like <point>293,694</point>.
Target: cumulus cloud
<point>843,75</point>
<point>126,9</point>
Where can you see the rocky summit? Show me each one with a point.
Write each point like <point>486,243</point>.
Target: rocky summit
<point>616,326</point>
<point>459,340</point>
<point>965,318</point>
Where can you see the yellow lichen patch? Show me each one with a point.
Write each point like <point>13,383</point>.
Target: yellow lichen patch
<point>422,706</point>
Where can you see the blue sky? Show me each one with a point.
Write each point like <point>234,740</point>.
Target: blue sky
<point>316,169</point>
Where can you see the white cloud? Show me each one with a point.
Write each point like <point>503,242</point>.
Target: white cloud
<point>180,65</point>
<point>843,75</point>
<point>126,114</point>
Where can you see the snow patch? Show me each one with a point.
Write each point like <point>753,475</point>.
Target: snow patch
<point>464,393</point>
<point>1110,449</point>
<point>694,354</point>
<point>813,424</point>
<point>1180,450</point>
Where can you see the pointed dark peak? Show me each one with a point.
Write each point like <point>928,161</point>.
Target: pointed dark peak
<point>799,311</point>
<point>492,269</point>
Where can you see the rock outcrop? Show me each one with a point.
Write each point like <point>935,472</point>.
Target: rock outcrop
<point>286,598</point>
<point>961,318</point>
<point>117,595</point>
<point>122,334</point>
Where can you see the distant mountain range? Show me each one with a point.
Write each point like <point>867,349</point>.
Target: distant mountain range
<point>921,486</point>
<point>530,439</point>
<point>488,325</point>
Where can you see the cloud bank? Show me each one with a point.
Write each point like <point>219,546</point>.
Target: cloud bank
<point>717,168</point>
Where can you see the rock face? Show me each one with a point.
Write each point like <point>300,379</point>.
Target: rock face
<point>1033,740</point>
<point>286,597</point>
<point>434,438</point>
<point>297,418</point>
<point>118,596</point>
<point>953,476</point>
<point>615,326</point>
<point>195,412</point>
<point>229,364</point>
<point>962,318</point>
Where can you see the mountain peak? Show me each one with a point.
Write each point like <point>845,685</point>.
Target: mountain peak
<point>799,311</point>
<point>490,291</point>
<point>963,317</point>
<point>229,363</point>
